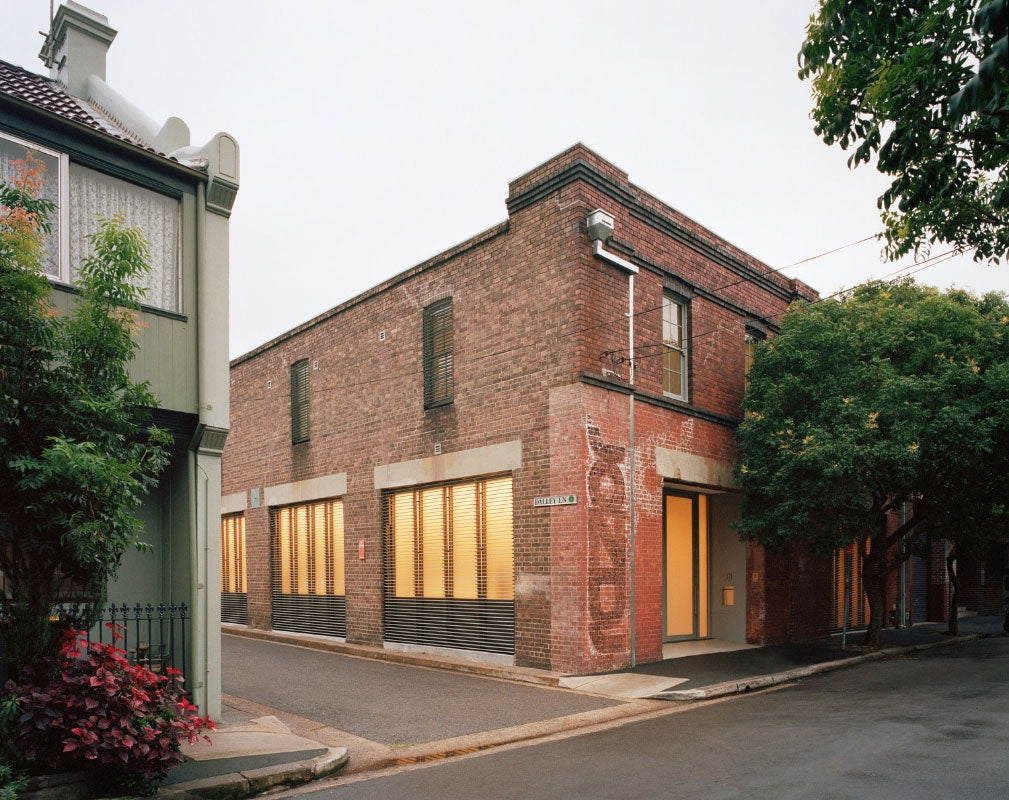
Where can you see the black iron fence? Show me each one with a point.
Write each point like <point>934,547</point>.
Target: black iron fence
<point>153,636</point>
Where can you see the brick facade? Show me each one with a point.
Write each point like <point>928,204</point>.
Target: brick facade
<point>540,349</point>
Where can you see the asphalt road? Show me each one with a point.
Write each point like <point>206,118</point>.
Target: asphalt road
<point>394,704</point>
<point>933,725</point>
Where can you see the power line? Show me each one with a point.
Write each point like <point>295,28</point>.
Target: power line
<point>907,271</point>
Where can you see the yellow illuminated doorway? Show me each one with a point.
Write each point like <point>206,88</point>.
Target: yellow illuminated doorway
<point>685,567</point>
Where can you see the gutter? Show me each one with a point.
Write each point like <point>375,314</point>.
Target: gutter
<point>25,109</point>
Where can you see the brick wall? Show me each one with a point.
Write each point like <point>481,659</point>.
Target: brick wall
<point>534,313</point>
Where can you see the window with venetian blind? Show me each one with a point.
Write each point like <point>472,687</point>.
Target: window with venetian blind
<point>299,402</point>
<point>308,568</point>
<point>234,589</point>
<point>450,566</point>
<point>439,354</point>
<point>848,564</point>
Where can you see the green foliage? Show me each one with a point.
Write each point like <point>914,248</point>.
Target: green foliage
<point>77,454</point>
<point>896,80</point>
<point>88,708</point>
<point>891,394</point>
<point>11,783</point>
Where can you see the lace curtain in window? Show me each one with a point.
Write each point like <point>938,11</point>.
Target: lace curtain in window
<point>11,151</point>
<point>94,195</point>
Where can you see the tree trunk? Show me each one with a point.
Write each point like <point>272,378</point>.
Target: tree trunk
<point>874,581</point>
<point>953,570</point>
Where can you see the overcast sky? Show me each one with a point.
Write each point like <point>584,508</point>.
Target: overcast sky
<point>375,135</point>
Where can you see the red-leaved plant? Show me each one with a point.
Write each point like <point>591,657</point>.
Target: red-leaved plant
<point>88,707</point>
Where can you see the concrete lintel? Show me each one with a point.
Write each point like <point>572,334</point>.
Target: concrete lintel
<point>487,460</point>
<point>320,488</point>
<point>679,466</point>
<point>234,503</point>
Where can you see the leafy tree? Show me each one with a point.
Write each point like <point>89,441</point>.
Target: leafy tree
<point>967,502</point>
<point>75,456</point>
<point>896,80</point>
<point>890,394</point>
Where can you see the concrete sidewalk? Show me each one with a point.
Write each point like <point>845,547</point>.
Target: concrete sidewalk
<point>699,677</point>
<point>404,713</point>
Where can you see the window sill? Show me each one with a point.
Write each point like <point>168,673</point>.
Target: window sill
<point>158,312</point>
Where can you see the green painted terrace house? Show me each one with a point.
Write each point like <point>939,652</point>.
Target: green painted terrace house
<point>105,156</point>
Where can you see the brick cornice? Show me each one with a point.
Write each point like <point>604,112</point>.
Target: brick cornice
<point>580,170</point>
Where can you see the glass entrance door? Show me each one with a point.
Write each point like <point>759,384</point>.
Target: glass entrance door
<point>685,567</point>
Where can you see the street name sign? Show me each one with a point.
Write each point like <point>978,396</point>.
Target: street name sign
<point>555,500</point>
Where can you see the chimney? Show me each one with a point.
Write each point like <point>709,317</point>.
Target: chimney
<point>76,46</point>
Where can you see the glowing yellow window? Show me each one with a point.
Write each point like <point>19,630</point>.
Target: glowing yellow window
<point>233,554</point>
<point>452,541</point>
<point>308,549</point>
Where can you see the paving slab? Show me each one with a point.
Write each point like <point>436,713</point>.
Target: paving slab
<point>621,684</point>
<point>249,757</point>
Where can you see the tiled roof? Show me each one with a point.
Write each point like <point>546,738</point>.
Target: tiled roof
<point>44,93</point>
<point>49,95</point>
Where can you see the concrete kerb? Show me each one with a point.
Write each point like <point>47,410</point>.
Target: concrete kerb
<point>253,781</point>
<point>762,681</point>
<point>476,742</point>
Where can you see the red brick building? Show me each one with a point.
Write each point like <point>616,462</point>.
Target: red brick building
<point>462,458</point>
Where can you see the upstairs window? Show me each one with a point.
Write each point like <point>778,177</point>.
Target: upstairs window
<point>749,351</point>
<point>83,198</point>
<point>299,402</point>
<point>46,169</point>
<point>439,378</point>
<point>674,347</point>
<point>95,195</point>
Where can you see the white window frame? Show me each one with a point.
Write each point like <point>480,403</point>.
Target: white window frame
<point>671,299</point>
<point>750,339</point>
<point>63,202</point>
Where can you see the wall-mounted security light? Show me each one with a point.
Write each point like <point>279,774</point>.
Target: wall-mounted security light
<point>600,225</point>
